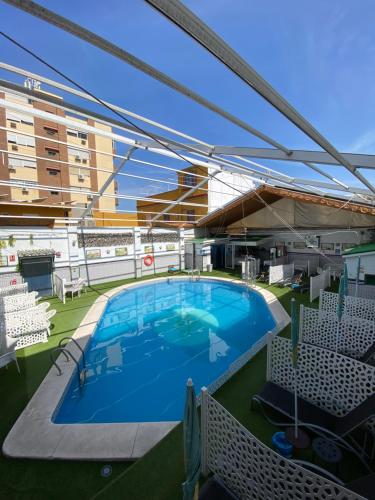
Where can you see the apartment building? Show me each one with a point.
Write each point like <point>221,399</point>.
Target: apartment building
<point>56,159</point>
<point>213,194</point>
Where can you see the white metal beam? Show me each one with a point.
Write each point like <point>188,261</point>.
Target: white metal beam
<point>213,162</point>
<point>194,26</point>
<point>191,148</point>
<point>301,156</point>
<point>107,182</point>
<point>45,187</point>
<point>83,95</point>
<point>183,197</point>
<point>75,29</point>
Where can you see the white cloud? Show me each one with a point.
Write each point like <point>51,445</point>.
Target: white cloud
<point>365,143</point>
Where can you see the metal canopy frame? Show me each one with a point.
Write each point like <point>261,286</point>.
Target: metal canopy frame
<point>193,26</point>
<point>215,158</point>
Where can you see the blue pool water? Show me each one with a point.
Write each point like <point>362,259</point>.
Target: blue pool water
<point>152,338</point>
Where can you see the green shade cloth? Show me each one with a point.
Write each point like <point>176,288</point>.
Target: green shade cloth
<point>192,443</point>
<point>294,332</point>
<point>340,302</point>
<point>367,247</point>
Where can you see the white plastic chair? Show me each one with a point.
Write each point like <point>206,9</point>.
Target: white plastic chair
<point>8,352</point>
<point>19,302</point>
<point>74,287</point>
<point>50,314</point>
<point>28,327</point>
<point>13,289</point>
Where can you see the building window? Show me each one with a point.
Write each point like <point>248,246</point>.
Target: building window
<point>80,156</point>
<point>50,131</point>
<point>190,215</point>
<point>16,118</point>
<point>14,162</point>
<point>54,193</point>
<point>190,180</point>
<point>52,152</point>
<point>77,134</point>
<point>299,245</point>
<point>20,140</point>
<point>53,171</point>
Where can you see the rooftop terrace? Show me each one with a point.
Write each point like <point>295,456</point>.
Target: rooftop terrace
<point>161,470</point>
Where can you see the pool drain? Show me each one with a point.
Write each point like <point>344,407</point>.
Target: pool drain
<point>106,471</point>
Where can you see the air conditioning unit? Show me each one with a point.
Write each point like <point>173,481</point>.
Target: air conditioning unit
<point>25,190</point>
<point>77,158</point>
<point>83,142</point>
<point>11,168</point>
<point>84,160</point>
<point>89,197</point>
<point>81,177</point>
<point>13,125</point>
<point>14,147</point>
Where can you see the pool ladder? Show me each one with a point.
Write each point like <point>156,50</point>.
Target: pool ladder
<point>81,373</point>
<point>196,272</point>
<point>248,280</point>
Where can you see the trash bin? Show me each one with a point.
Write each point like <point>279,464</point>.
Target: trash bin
<point>209,268</point>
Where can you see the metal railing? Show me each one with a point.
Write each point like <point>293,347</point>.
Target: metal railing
<point>81,374</point>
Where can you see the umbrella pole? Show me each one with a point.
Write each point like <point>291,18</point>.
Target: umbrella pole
<point>337,336</point>
<point>196,492</point>
<point>295,405</point>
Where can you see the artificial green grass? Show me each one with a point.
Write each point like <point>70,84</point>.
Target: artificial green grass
<point>156,476</point>
<point>29,479</point>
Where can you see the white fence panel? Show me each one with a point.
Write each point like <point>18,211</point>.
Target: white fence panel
<point>333,382</point>
<point>278,274</point>
<point>320,282</point>
<point>353,306</point>
<point>352,336</point>
<point>362,291</point>
<point>251,470</point>
<point>313,264</point>
<point>59,287</point>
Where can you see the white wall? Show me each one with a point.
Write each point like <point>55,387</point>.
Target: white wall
<point>367,265</point>
<point>219,194</point>
<point>56,239</point>
<point>72,260</point>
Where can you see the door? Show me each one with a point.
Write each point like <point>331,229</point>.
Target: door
<point>229,256</point>
<point>37,273</point>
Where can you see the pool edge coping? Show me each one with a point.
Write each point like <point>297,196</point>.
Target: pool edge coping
<point>35,436</point>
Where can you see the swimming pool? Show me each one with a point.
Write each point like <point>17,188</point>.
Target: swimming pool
<point>151,338</point>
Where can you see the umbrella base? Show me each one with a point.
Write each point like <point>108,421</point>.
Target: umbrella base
<point>302,440</point>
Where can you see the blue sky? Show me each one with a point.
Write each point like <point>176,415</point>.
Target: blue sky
<point>319,55</point>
